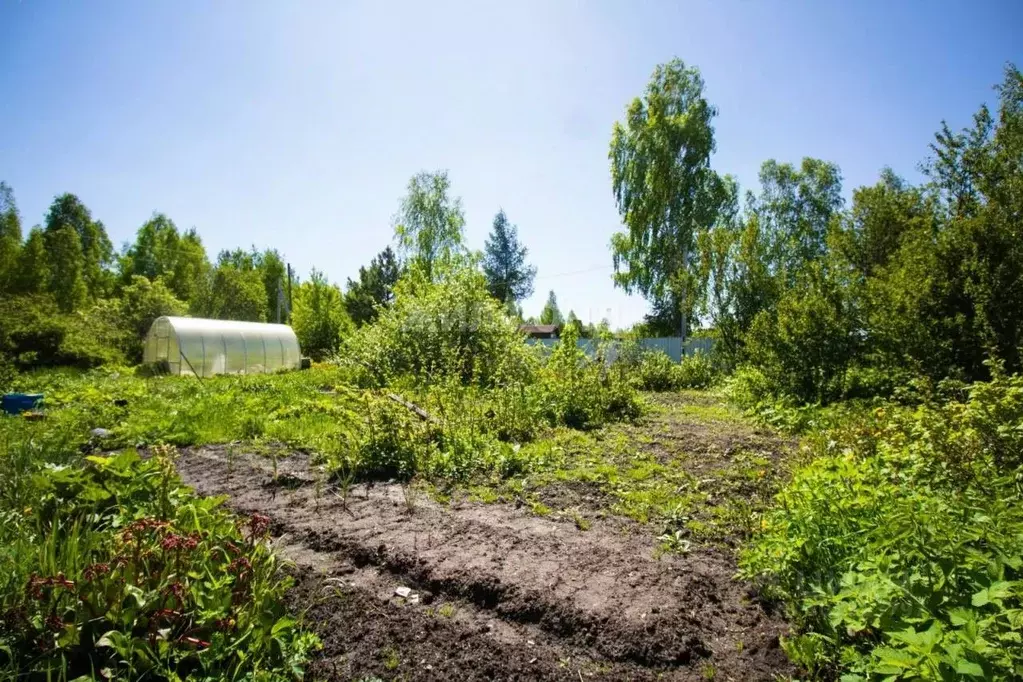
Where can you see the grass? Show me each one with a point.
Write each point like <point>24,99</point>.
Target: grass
<point>701,490</point>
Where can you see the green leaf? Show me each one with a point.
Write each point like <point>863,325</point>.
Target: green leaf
<point>969,668</point>
<point>282,624</point>
<point>893,661</point>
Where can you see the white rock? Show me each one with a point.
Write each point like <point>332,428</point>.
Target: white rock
<point>403,592</point>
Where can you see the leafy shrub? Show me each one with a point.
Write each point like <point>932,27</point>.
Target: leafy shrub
<point>655,371</point>
<point>804,346</point>
<point>35,333</point>
<point>579,392</point>
<point>695,371</point>
<point>116,568</point>
<point>899,550</point>
<point>447,326</point>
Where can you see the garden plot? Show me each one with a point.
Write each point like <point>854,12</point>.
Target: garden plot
<point>513,589</point>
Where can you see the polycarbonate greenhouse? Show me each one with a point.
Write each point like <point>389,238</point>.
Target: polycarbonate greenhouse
<point>206,347</point>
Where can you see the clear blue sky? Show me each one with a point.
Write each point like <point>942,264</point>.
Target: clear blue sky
<point>297,125</point>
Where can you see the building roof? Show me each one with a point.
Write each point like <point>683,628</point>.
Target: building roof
<point>538,329</point>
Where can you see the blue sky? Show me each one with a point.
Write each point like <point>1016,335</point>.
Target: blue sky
<point>298,125</point>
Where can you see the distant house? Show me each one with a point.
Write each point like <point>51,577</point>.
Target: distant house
<point>540,331</point>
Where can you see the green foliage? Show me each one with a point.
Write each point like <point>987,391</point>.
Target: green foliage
<point>509,278</point>
<point>160,251</point>
<point>795,209</point>
<point>32,266</point>
<point>655,371</point>
<point>429,225</point>
<point>804,346</point>
<point>445,326</point>
<point>579,392</point>
<point>551,314</point>
<point>665,190</point>
<point>67,283</point>
<point>237,291</point>
<point>142,301</point>
<point>319,318</point>
<point>67,212</point>
<point>374,288</point>
<point>116,567</point>
<point>35,333</point>
<point>899,549</point>
<point>10,237</point>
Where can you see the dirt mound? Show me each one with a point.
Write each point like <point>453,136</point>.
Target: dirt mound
<point>504,594</point>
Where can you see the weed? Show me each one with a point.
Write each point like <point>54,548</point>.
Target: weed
<point>391,659</point>
<point>581,522</point>
<point>410,494</point>
<point>540,509</point>
<point>447,610</point>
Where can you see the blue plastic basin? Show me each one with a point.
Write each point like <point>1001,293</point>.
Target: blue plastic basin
<point>15,403</point>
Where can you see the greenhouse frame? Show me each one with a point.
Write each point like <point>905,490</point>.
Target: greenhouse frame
<point>187,345</point>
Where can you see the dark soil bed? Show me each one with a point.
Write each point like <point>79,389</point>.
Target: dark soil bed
<point>497,592</point>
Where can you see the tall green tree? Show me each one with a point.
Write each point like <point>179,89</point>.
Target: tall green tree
<point>795,209</point>
<point>67,265</point>
<point>236,289</point>
<point>10,237</point>
<point>666,192</point>
<point>871,233</point>
<point>272,270</point>
<point>551,314</point>
<point>161,251</point>
<point>68,211</point>
<point>32,273</point>
<point>319,317</point>
<point>374,289</point>
<point>509,277</point>
<point>191,268</point>
<point>429,224</point>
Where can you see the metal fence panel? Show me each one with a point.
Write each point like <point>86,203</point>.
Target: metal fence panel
<point>670,346</point>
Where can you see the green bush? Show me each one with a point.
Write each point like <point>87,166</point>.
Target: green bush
<point>35,333</point>
<point>117,568</point>
<point>805,345</point>
<point>580,392</point>
<point>695,371</point>
<point>655,371</point>
<point>448,326</point>
<point>899,549</point>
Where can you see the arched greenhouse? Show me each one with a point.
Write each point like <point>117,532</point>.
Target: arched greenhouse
<point>186,345</point>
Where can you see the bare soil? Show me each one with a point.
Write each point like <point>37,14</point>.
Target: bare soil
<point>500,594</point>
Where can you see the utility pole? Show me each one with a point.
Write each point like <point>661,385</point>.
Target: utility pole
<point>289,292</point>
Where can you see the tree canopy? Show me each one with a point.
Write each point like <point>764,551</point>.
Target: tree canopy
<point>551,314</point>
<point>666,192</point>
<point>429,224</point>
<point>509,277</point>
<point>374,289</point>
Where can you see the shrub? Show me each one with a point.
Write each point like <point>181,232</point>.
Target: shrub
<point>448,326</point>
<point>804,346</point>
<point>579,392</point>
<point>695,371</point>
<point>35,333</point>
<point>899,550</point>
<point>655,371</point>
